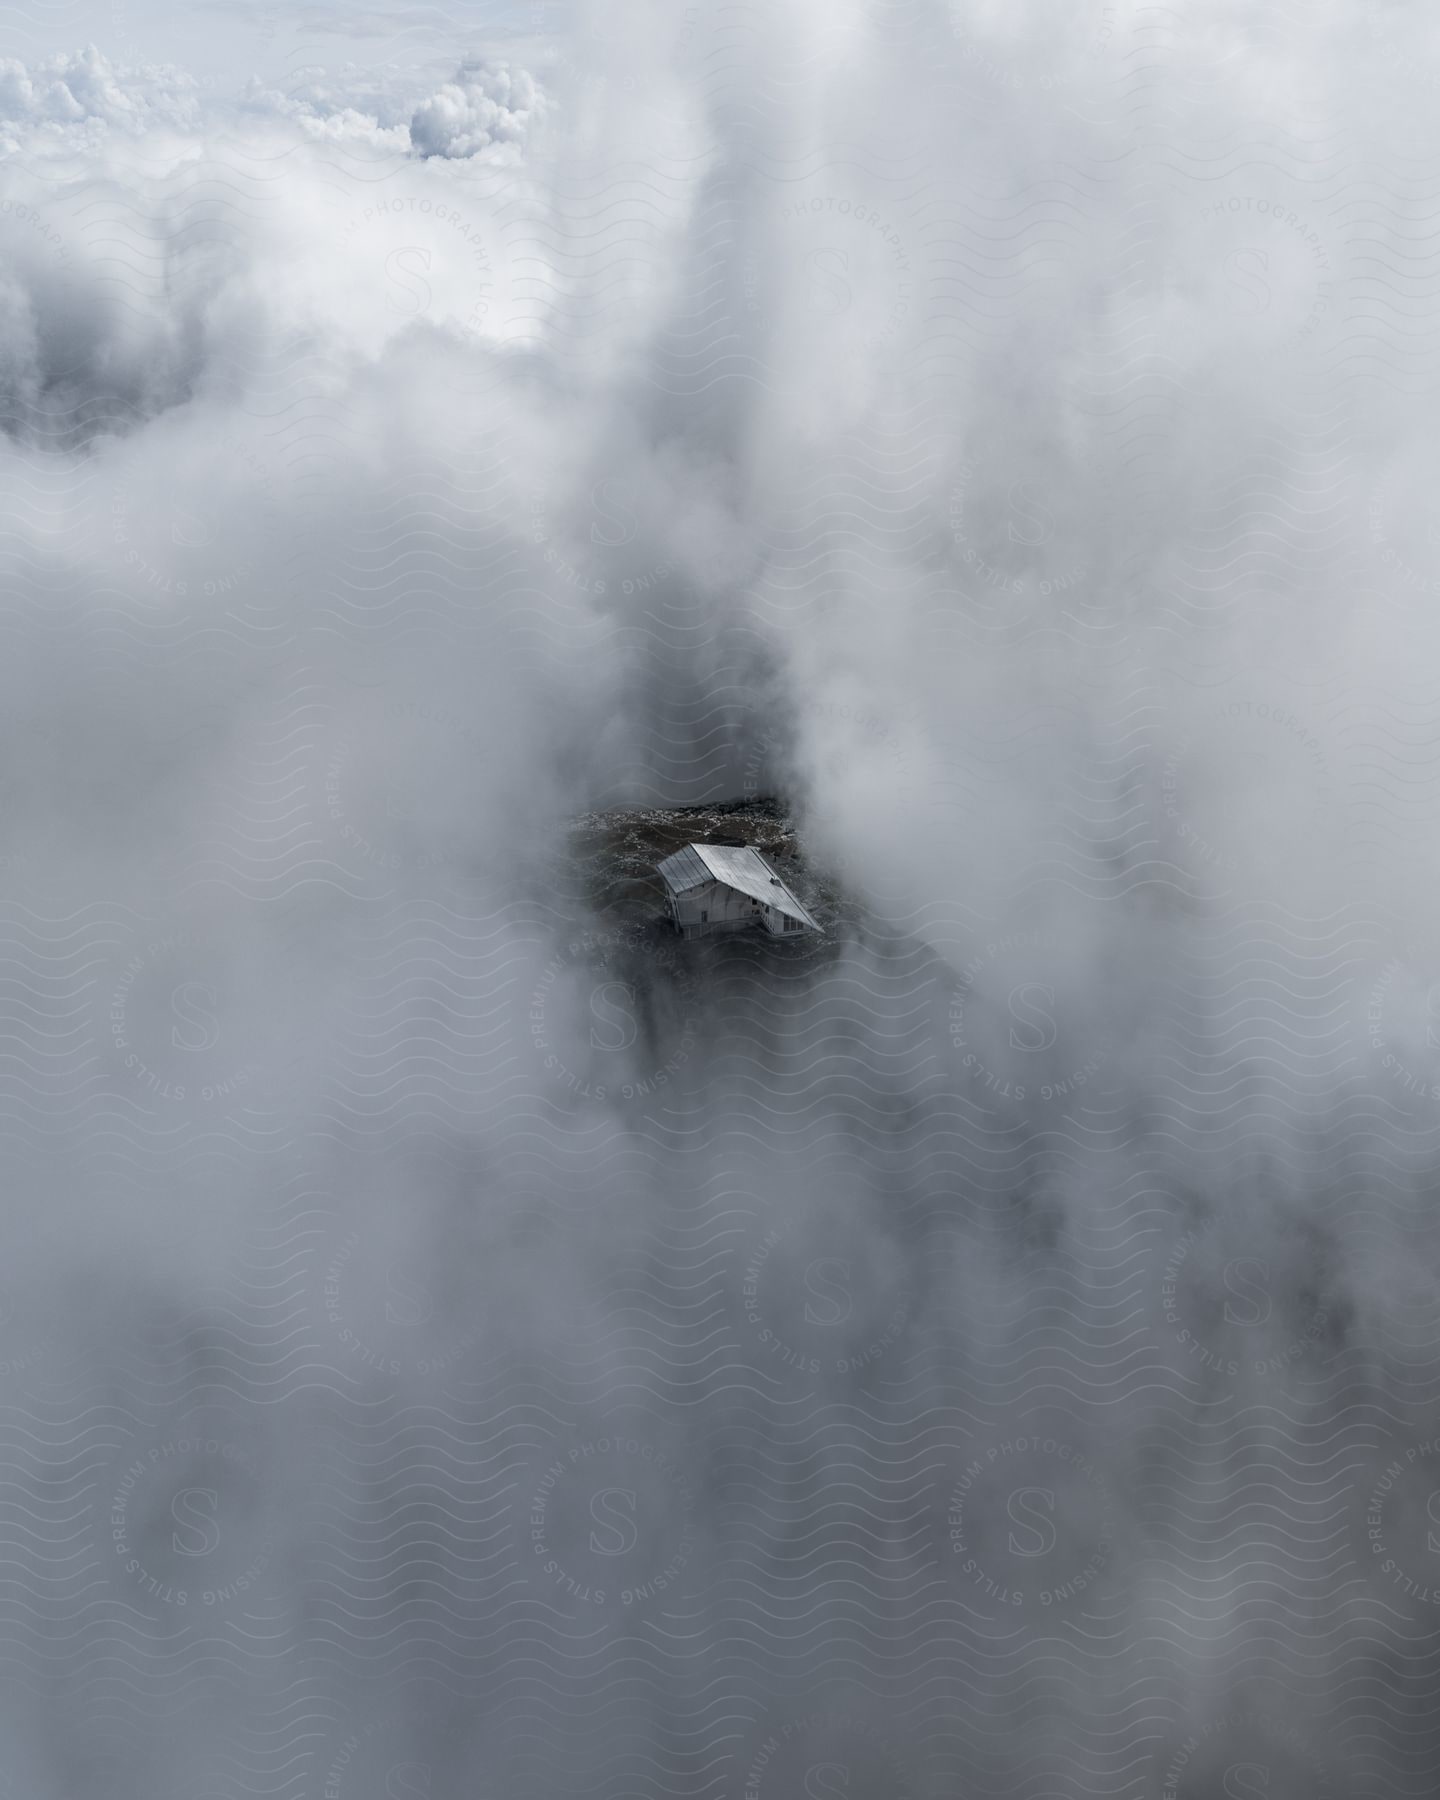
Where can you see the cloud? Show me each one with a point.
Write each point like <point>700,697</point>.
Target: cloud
<point>337,107</point>
<point>81,95</point>
<point>1042,1262</point>
<point>487,109</point>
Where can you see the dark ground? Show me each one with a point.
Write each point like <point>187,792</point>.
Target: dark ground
<point>618,851</point>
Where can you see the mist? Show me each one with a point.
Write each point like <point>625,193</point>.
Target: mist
<point>450,1345</point>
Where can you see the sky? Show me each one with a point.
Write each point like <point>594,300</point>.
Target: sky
<point>454,1343</point>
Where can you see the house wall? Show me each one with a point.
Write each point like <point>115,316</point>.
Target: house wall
<point>726,910</point>
<point>774,922</point>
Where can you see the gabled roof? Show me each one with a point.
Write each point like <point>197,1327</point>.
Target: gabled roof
<point>738,867</point>
<point>684,870</point>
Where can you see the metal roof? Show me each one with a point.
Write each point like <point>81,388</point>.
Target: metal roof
<point>684,870</point>
<point>737,866</point>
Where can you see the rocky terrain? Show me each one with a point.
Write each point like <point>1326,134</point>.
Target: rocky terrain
<point>618,850</point>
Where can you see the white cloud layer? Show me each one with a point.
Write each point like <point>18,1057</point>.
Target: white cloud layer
<point>74,100</point>
<point>76,97</point>
<point>1007,431</point>
<point>485,109</point>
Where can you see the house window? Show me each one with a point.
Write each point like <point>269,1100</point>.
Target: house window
<point>792,924</point>
<point>704,916</point>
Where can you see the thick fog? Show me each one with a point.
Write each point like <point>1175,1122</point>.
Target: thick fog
<point>452,1344</point>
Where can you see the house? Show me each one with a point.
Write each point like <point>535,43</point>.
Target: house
<point>728,887</point>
